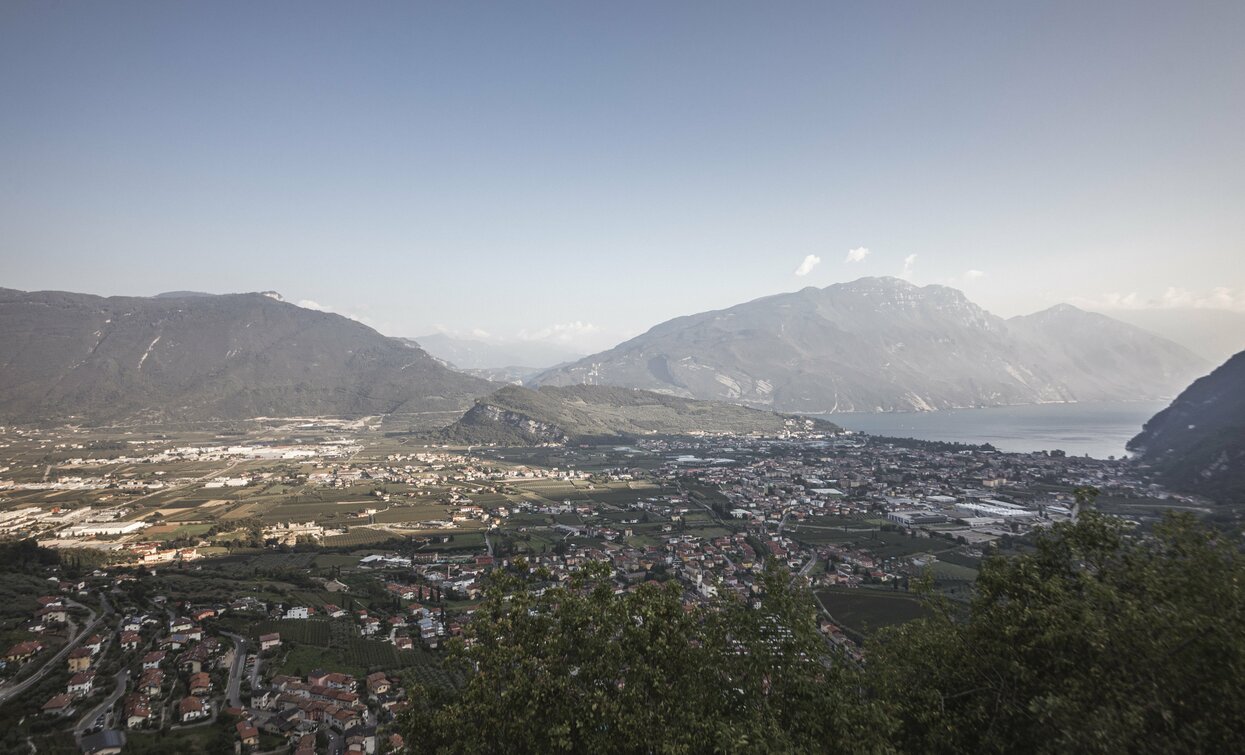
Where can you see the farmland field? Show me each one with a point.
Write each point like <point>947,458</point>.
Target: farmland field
<point>866,611</point>
<point>359,536</point>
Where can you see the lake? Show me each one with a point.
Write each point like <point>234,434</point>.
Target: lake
<point>1098,429</point>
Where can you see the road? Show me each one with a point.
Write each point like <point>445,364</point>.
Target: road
<point>783,523</point>
<point>233,692</point>
<point>87,721</point>
<point>808,567</point>
<point>92,622</point>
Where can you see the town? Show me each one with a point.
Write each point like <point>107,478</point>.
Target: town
<point>284,588</point>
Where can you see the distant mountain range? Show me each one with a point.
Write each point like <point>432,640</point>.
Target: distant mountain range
<point>584,413</point>
<point>876,344</point>
<point>1215,334</point>
<point>1197,444</point>
<point>189,356</point>
<point>472,354</point>
<point>883,344</point>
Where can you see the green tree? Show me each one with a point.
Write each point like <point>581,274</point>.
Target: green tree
<point>1099,641</point>
<point>584,668</point>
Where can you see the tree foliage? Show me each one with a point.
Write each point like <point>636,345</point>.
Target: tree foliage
<point>1100,640</point>
<point>583,668</point>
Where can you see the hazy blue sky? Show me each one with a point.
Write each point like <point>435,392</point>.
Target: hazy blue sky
<point>590,169</point>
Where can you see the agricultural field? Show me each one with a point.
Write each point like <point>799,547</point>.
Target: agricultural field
<point>865,610</point>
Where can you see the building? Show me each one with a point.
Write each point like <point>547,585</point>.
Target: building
<point>80,659</point>
<point>23,651</point>
<point>107,742</point>
<point>81,684</point>
<point>248,735</point>
<point>58,705</point>
<point>192,709</point>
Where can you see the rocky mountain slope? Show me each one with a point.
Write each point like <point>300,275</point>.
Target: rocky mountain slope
<point>1197,444</point>
<point>583,413</point>
<point>882,344</point>
<point>76,357</point>
<point>1098,358</point>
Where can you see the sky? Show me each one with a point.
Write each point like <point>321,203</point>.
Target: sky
<point>578,172</point>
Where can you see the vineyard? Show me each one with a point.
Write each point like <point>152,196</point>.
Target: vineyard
<point>358,536</point>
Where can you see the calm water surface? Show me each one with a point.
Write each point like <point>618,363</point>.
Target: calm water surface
<point>1095,429</point>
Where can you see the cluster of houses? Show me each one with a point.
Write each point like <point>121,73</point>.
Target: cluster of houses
<point>295,708</point>
<point>52,615</point>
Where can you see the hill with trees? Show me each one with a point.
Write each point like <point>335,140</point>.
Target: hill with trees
<point>1197,444</point>
<point>584,413</point>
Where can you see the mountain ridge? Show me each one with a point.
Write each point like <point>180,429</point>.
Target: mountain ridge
<point>877,344</point>
<point>1197,444</point>
<point>84,358</point>
<point>582,413</point>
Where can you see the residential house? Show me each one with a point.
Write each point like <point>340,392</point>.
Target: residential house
<point>81,684</point>
<point>378,683</point>
<point>23,651</point>
<point>192,709</point>
<point>248,735</point>
<point>58,705</point>
<point>151,682</point>
<point>52,615</point>
<point>200,684</point>
<point>137,711</point>
<point>80,659</point>
<point>153,659</point>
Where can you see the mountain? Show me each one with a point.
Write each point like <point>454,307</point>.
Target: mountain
<point>1097,358</point>
<point>1198,443</point>
<point>472,354</point>
<point>582,413</point>
<point>1214,334</point>
<point>76,357</point>
<point>883,344</point>
<point>181,294</point>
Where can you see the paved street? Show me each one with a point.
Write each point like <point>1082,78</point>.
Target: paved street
<point>8,691</point>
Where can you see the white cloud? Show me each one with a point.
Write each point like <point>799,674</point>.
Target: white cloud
<point>973,275</point>
<point>1220,297</point>
<point>806,267</point>
<point>317,306</point>
<point>909,263</point>
<point>857,255</point>
<point>564,332</point>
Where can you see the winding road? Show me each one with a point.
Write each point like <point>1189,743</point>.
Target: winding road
<point>8,691</point>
